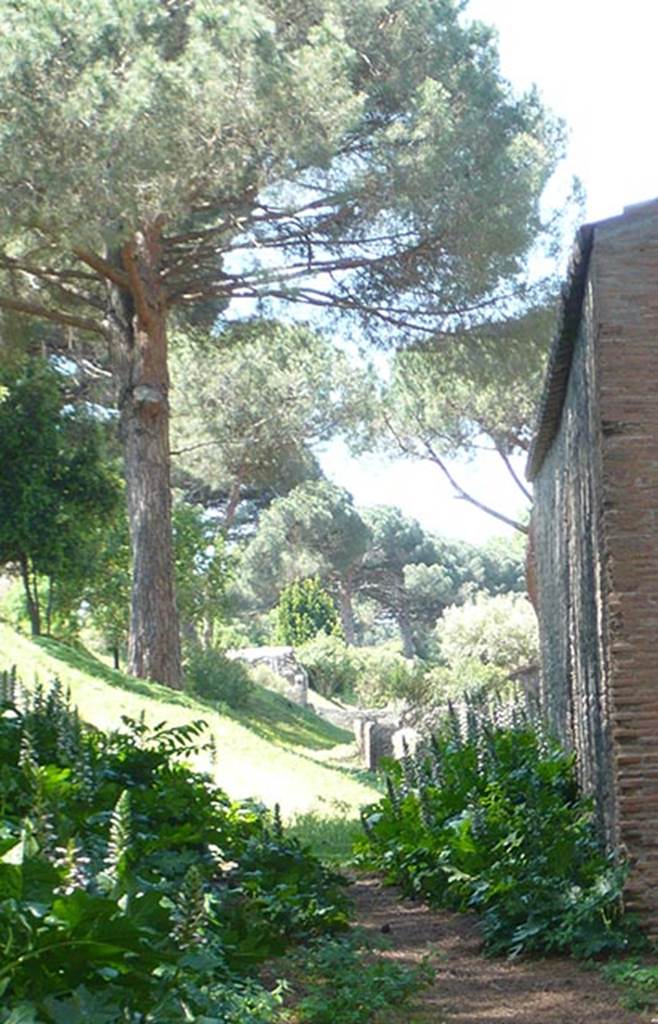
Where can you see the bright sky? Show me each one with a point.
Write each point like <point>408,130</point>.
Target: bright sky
<point>596,66</point>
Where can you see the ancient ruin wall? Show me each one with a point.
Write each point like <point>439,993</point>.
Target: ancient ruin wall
<point>571,600</point>
<point>625,268</point>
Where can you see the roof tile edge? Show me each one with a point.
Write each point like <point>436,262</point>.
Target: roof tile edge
<point>549,406</point>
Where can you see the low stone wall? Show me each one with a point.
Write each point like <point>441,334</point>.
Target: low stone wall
<point>375,729</point>
<point>283,663</point>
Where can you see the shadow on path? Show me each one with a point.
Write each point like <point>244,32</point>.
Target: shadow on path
<point>473,989</point>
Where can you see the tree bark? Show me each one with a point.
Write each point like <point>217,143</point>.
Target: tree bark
<point>346,610</point>
<point>139,351</point>
<point>406,634</point>
<point>32,600</point>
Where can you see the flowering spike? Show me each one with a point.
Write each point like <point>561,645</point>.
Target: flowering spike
<point>190,910</point>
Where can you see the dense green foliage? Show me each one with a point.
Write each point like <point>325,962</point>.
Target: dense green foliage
<point>55,489</point>
<point>388,576</point>
<point>639,981</point>
<point>371,676</point>
<point>249,403</point>
<point>129,885</point>
<point>233,123</point>
<point>331,665</point>
<point>203,569</point>
<point>305,609</point>
<point>488,817</point>
<point>343,989</point>
<point>209,674</point>
<point>482,642</point>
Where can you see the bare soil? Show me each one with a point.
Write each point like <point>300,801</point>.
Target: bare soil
<point>471,988</point>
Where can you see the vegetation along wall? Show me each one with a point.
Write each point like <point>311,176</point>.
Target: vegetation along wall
<point>594,464</point>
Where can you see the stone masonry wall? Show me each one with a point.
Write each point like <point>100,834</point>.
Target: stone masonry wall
<point>571,604</point>
<point>625,269</point>
<point>596,537</point>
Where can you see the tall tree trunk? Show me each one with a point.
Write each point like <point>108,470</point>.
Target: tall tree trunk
<point>31,600</point>
<point>139,343</point>
<point>346,610</point>
<point>404,624</point>
<point>234,496</point>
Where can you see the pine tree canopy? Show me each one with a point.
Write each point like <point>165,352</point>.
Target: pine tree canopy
<point>362,155</point>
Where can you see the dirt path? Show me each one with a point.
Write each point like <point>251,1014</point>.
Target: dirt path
<point>472,989</point>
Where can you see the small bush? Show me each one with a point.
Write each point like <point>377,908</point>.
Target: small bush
<point>265,677</point>
<point>305,609</point>
<point>385,675</point>
<point>332,666</point>
<point>344,988</point>
<point>499,632</point>
<point>209,674</point>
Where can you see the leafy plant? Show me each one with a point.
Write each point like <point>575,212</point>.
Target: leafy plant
<point>488,817</point>
<point>385,675</point>
<point>345,988</point>
<point>130,887</point>
<point>483,641</point>
<point>209,674</point>
<point>639,981</point>
<point>304,610</point>
<point>332,666</point>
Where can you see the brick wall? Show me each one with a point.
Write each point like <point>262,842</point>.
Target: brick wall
<point>625,269</point>
<point>571,604</point>
<point>597,547</point>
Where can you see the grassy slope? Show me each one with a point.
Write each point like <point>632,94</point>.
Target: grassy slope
<point>272,751</point>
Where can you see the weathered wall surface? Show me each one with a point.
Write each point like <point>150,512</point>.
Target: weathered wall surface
<point>625,268</point>
<point>597,543</point>
<point>570,557</point>
<point>283,663</point>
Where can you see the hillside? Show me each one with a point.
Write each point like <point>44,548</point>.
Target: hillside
<point>272,751</point>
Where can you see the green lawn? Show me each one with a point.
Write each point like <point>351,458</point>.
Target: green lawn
<point>272,751</point>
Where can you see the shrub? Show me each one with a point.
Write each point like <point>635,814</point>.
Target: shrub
<point>343,989</point>
<point>130,887</point>
<point>489,818</point>
<point>385,675</point>
<point>374,676</point>
<point>332,666</point>
<point>209,674</point>
<point>482,642</point>
<point>305,609</point>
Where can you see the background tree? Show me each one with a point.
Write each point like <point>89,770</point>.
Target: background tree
<point>55,489</point>
<point>204,569</point>
<point>203,572</point>
<point>107,591</point>
<point>313,531</point>
<point>249,404</point>
<point>304,610</point>
<point>395,543</point>
<point>477,394</point>
<point>361,157</point>
<point>388,577</point>
<point>487,639</point>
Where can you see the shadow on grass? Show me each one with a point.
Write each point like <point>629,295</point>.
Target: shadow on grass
<point>82,660</point>
<point>280,721</point>
<point>374,780</point>
<point>330,838</point>
<point>268,715</point>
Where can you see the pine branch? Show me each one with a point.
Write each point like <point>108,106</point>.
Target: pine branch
<point>102,267</point>
<point>57,316</point>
